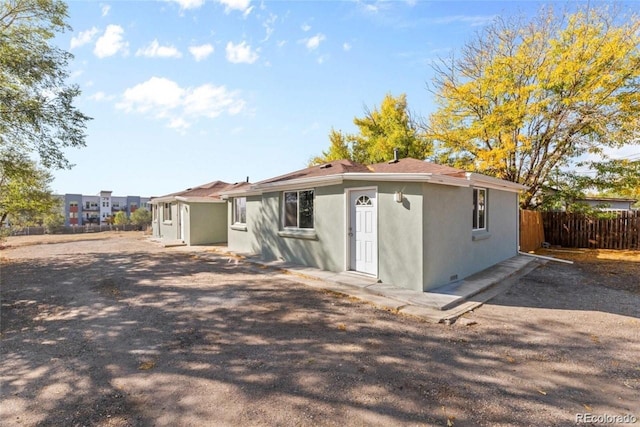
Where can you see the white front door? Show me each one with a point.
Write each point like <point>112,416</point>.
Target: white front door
<point>363,231</point>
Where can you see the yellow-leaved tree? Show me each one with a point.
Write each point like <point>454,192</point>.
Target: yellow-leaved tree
<point>380,131</point>
<point>525,98</point>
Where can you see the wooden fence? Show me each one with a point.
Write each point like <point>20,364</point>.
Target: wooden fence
<point>531,230</point>
<point>618,230</point>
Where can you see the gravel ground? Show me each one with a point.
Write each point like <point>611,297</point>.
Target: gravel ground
<point>120,332</point>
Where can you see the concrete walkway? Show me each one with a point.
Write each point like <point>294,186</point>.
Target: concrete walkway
<point>442,305</point>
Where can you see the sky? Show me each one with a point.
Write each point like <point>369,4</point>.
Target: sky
<point>185,92</point>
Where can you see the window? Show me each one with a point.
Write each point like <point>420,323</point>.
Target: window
<point>73,204</point>
<point>240,210</point>
<point>298,209</point>
<point>364,201</point>
<point>87,205</point>
<point>166,212</point>
<point>479,209</point>
<point>73,214</point>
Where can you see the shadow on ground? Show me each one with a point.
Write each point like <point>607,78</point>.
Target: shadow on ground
<point>172,339</point>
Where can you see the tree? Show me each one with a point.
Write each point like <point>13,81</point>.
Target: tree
<point>36,105</point>
<point>619,177</point>
<point>53,222</point>
<point>527,98</point>
<point>566,191</point>
<point>120,218</point>
<point>24,189</point>
<point>380,131</point>
<point>141,218</point>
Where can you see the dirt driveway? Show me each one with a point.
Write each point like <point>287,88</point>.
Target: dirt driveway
<point>116,331</point>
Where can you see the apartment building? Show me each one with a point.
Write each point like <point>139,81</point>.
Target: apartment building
<point>80,209</point>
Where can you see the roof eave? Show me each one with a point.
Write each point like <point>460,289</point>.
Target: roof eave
<point>495,183</point>
<point>198,199</point>
<point>321,181</point>
<point>408,177</point>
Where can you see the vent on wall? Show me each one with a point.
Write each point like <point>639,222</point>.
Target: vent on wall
<point>454,277</point>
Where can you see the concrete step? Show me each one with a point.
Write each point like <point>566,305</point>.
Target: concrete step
<point>448,296</point>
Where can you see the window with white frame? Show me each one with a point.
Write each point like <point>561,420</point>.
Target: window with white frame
<point>298,209</point>
<point>166,212</point>
<point>479,208</point>
<point>240,210</point>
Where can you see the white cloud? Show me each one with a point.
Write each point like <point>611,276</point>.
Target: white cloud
<point>164,99</point>
<point>370,7</point>
<point>346,46</point>
<point>268,26</point>
<point>201,52</point>
<point>238,53</point>
<point>189,4</point>
<point>322,59</point>
<point>305,27</point>
<point>241,5</point>
<point>101,96</point>
<point>105,9</point>
<point>83,37</point>
<point>77,73</point>
<point>98,96</point>
<point>312,43</point>
<point>111,42</point>
<point>179,124</point>
<point>473,20</point>
<point>156,94</point>
<point>211,101</point>
<point>154,50</point>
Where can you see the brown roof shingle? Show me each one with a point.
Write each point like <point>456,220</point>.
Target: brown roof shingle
<point>409,165</point>
<point>335,167</point>
<point>211,189</point>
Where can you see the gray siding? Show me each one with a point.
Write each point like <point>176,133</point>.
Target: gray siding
<point>451,247</point>
<point>325,250</point>
<point>206,223</point>
<point>168,229</point>
<point>246,240</point>
<point>424,242</point>
<point>400,235</point>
